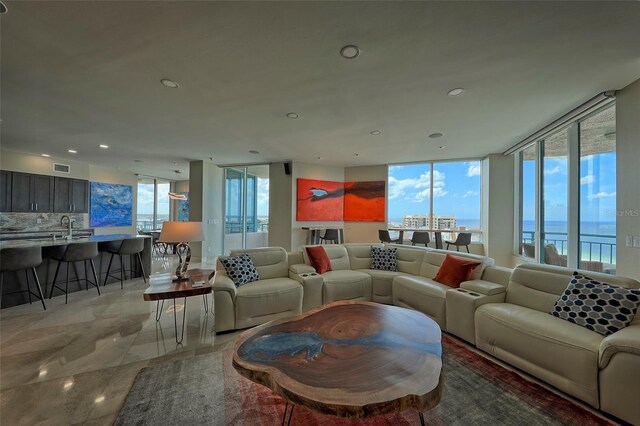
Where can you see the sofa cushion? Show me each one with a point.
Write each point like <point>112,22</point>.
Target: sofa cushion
<point>421,294</point>
<point>266,300</point>
<point>455,270</point>
<point>337,255</point>
<point>434,258</point>
<point>384,259</point>
<point>558,352</point>
<point>345,285</point>
<point>271,262</point>
<point>597,306</point>
<point>381,284</point>
<point>240,269</point>
<point>319,259</point>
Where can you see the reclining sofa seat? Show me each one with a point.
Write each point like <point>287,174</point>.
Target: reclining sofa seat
<point>341,282</point>
<point>273,296</point>
<point>409,260</point>
<point>422,293</point>
<point>602,371</point>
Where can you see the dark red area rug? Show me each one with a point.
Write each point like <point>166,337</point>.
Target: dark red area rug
<point>207,390</point>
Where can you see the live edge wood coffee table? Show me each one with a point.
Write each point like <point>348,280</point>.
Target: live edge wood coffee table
<point>349,359</point>
<point>161,287</point>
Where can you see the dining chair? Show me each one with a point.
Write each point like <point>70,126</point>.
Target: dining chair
<point>420,238</point>
<point>384,237</point>
<point>463,239</point>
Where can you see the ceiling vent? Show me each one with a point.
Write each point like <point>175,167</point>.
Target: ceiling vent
<point>61,168</point>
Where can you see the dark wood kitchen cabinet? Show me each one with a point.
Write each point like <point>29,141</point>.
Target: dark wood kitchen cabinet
<point>71,195</point>
<point>31,193</point>
<point>5,188</point>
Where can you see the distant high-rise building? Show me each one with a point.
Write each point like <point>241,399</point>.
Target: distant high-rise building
<point>425,221</point>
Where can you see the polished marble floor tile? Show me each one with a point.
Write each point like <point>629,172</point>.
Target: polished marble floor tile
<point>75,362</point>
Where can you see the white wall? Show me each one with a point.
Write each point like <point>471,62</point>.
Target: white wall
<point>206,206</point>
<point>365,232</point>
<point>281,209</point>
<point>628,179</point>
<point>497,208</point>
<point>310,171</point>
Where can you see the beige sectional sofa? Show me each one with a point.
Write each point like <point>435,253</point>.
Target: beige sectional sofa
<point>503,312</point>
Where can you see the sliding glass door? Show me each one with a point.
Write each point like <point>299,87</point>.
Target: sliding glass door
<point>246,222</point>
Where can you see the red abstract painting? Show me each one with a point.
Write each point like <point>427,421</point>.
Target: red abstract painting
<point>364,201</point>
<point>320,200</point>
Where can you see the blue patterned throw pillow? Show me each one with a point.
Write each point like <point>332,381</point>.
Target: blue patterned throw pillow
<point>240,269</point>
<point>600,307</point>
<point>384,259</point>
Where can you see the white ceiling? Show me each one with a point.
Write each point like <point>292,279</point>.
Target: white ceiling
<point>80,74</point>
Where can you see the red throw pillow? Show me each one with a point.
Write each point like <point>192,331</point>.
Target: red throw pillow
<point>455,270</point>
<point>319,259</point>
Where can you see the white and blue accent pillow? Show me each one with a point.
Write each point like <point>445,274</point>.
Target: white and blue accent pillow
<point>384,259</point>
<point>600,307</point>
<point>240,269</point>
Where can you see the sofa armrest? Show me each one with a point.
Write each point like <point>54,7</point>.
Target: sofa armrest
<point>497,274</point>
<point>224,283</point>
<point>625,340</point>
<point>301,268</point>
<point>486,288</point>
<point>311,288</point>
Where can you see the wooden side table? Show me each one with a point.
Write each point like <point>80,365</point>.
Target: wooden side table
<point>161,287</point>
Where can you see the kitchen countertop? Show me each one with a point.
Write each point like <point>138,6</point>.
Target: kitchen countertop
<point>61,242</point>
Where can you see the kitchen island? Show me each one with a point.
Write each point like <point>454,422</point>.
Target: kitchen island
<point>46,271</point>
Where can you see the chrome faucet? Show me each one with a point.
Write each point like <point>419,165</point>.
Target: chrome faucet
<point>70,222</point>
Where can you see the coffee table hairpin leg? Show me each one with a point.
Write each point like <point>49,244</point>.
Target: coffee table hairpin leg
<point>421,418</point>
<point>159,309</point>
<point>175,319</point>
<point>284,417</point>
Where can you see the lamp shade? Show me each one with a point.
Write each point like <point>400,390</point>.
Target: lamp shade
<point>181,232</point>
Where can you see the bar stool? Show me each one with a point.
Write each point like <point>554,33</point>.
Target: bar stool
<point>129,246</point>
<point>18,258</point>
<point>77,252</point>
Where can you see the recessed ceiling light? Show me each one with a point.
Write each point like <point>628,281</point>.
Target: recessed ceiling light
<point>73,151</point>
<point>350,51</point>
<point>99,399</point>
<point>319,158</point>
<point>356,154</point>
<point>253,151</point>
<point>103,146</point>
<point>138,161</point>
<point>435,135</point>
<point>441,147</point>
<point>456,92</point>
<point>292,115</point>
<point>169,83</point>
<point>45,155</point>
<point>375,132</point>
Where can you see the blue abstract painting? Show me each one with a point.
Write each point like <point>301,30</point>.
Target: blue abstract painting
<point>111,204</point>
<point>183,208</point>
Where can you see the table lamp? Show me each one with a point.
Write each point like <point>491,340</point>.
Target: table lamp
<point>181,233</point>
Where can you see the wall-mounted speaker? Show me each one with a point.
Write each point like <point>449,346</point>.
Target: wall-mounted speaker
<point>287,168</point>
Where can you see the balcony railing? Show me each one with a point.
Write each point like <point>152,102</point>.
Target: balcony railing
<point>590,247</point>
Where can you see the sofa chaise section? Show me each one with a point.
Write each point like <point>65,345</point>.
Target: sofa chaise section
<point>523,333</point>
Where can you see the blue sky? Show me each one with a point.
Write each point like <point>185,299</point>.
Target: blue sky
<point>597,188</point>
<point>456,190</point>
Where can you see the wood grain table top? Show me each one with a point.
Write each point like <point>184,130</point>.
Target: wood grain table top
<point>161,286</point>
<point>351,359</point>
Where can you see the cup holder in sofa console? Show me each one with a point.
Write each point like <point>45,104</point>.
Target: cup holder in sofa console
<point>474,294</point>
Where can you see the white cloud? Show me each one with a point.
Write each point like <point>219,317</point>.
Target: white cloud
<point>473,170</point>
<point>553,171</point>
<point>404,188</point>
<point>601,195</point>
<point>470,194</point>
<point>588,179</point>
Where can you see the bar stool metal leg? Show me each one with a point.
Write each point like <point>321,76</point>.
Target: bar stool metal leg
<point>144,275</point>
<point>106,277</point>
<point>55,278</point>
<point>26,274</point>
<point>95,277</point>
<point>35,276</point>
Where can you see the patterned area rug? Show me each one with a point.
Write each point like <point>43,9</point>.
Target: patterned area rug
<point>207,390</point>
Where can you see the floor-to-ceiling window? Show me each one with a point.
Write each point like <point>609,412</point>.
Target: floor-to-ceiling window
<point>153,205</point>
<point>246,222</point>
<point>568,179</point>
<point>527,245</point>
<point>435,195</point>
